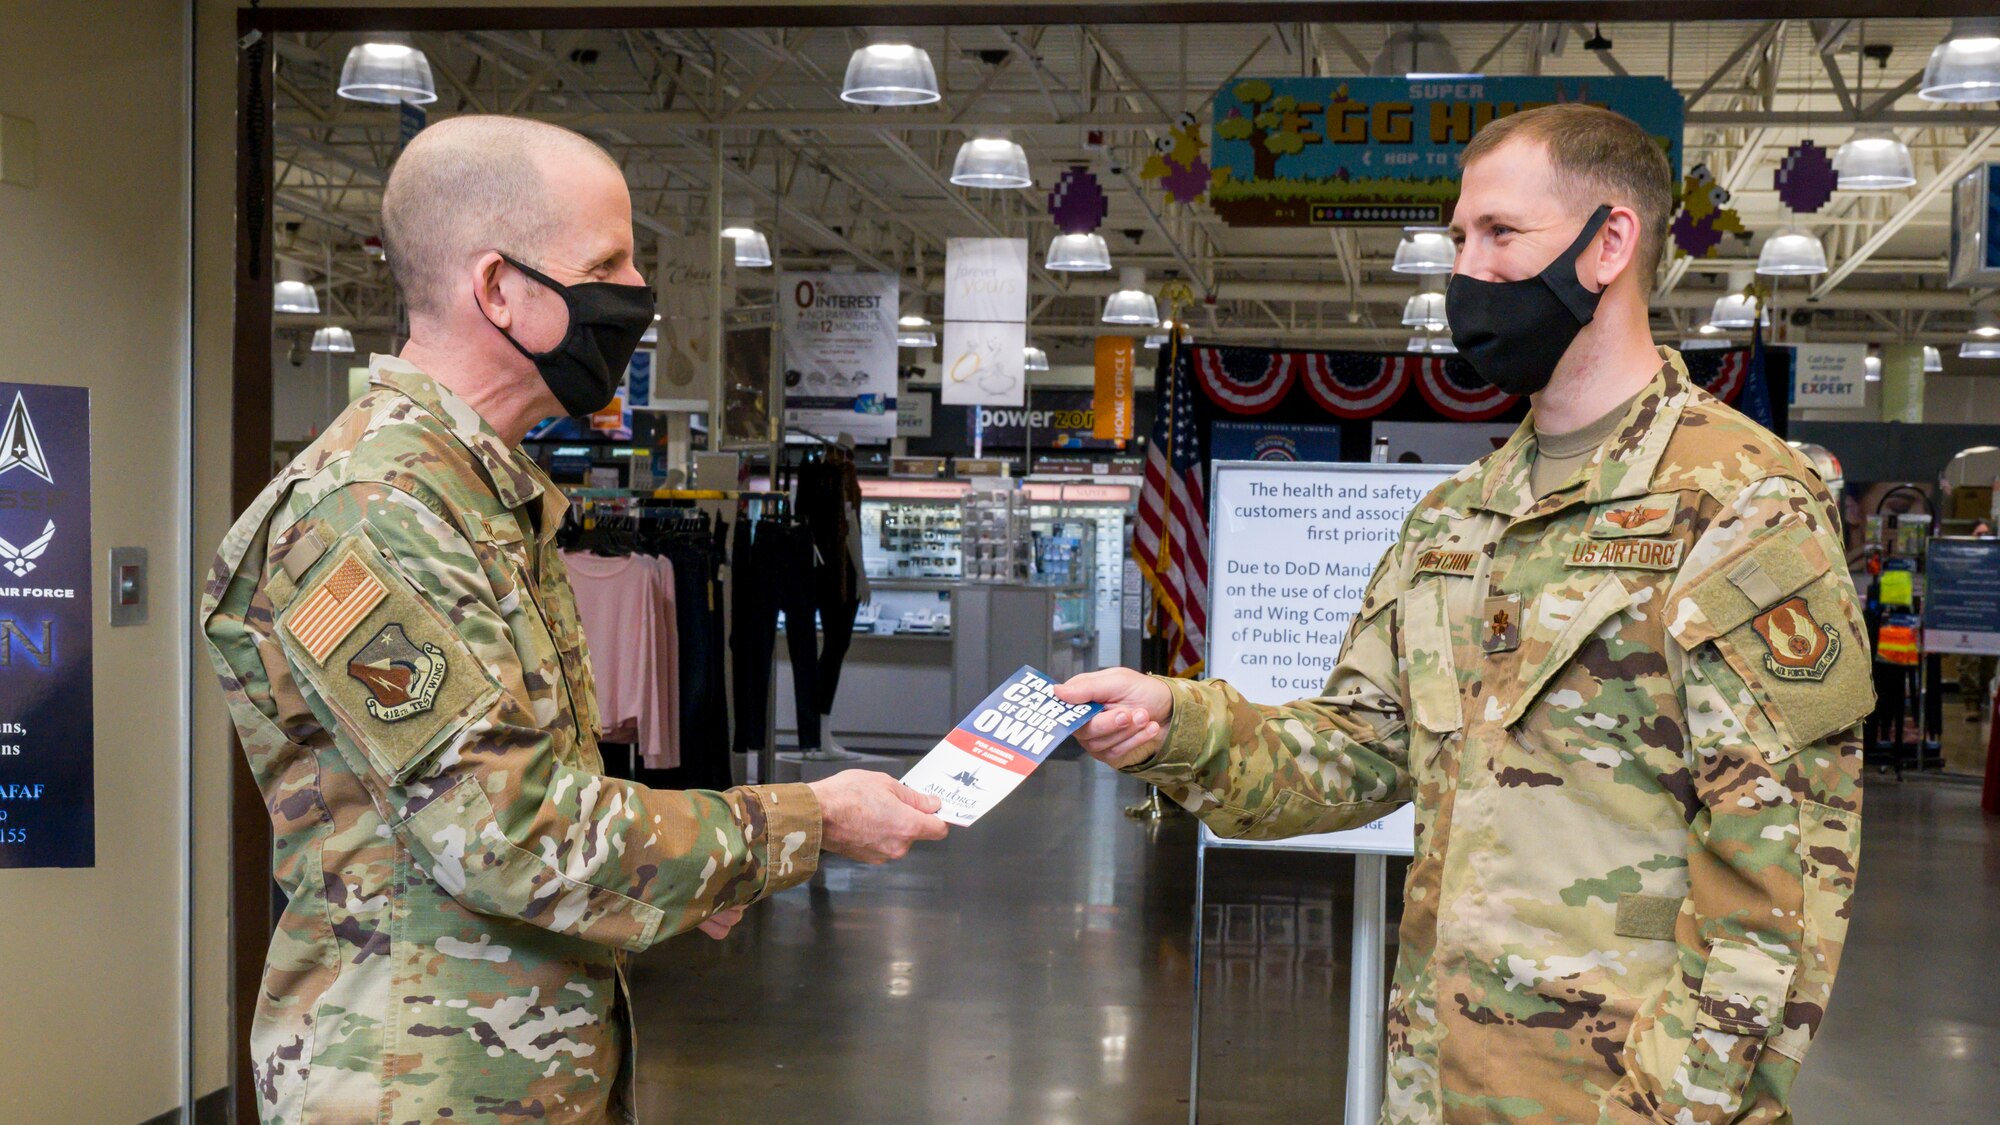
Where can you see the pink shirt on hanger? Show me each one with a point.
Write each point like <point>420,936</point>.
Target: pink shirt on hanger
<point>627,606</point>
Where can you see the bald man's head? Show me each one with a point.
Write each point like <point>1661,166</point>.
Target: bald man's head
<point>471,184</point>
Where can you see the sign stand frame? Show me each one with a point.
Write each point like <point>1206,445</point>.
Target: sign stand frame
<point>1367,1008</point>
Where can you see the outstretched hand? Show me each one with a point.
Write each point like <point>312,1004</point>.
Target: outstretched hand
<point>874,818</point>
<point>1133,724</point>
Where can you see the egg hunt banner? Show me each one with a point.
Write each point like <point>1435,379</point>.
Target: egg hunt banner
<point>998,745</point>
<point>1296,152</point>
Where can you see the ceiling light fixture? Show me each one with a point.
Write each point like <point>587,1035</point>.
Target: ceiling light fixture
<point>753,250</point>
<point>292,294</point>
<point>1874,159</point>
<point>1871,369</point>
<point>1791,253</point>
<point>890,74</point>
<point>1425,311</point>
<point>333,338</point>
<point>914,331</point>
<point>1933,359</point>
<point>1078,253</point>
<point>991,162</point>
<point>1034,359</point>
<point>1424,250</point>
<point>384,72</point>
<point>1419,51</point>
<point>1966,66</point>
<point>1131,304</point>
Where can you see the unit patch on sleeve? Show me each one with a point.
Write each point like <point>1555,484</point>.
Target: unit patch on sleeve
<point>1801,648</point>
<point>402,679</point>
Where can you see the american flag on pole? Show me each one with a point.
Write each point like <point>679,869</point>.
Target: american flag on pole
<point>1171,539</point>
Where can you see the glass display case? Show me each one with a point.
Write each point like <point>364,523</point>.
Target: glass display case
<point>996,542</point>
<point>910,538</point>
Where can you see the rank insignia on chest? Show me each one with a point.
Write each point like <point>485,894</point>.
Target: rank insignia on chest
<point>402,679</point>
<point>1801,648</point>
<point>1500,629</point>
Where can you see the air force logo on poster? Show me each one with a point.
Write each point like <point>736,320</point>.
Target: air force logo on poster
<point>46,784</point>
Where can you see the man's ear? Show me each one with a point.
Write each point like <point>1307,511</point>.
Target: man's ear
<point>488,292</point>
<point>1618,247</point>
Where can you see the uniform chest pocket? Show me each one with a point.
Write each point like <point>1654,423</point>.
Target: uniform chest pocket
<point>1554,627</point>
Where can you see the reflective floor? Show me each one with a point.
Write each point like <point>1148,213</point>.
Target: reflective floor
<point>1036,969</point>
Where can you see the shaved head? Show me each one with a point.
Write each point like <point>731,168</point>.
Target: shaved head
<point>470,184</point>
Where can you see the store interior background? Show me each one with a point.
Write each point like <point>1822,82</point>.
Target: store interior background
<point>1101,901</point>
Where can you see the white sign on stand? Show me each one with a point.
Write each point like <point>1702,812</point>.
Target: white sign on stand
<point>1833,375</point>
<point>1291,548</point>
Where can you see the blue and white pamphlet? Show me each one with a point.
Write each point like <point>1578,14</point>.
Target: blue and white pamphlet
<point>991,750</point>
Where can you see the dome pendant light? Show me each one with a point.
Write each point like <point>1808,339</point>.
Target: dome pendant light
<point>292,294</point>
<point>1419,51</point>
<point>890,74</point>
<point>384,72</point>
<point>1425,312</point>
<point>1874,160</point>
<point>753,250</point>
<point>1424,250</point>
<point>1984,343</point>
<point>1966,66</point>
<point>1792,253</point>
<point>1034,359</point>
<point>333,338</point>
<point>1933,359</point>
<point>915,331</point>
<point>991,162</point>
<point>1078,253</point>
<point>1131,304</point>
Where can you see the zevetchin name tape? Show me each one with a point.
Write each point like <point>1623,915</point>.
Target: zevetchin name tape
<point>1013,730</point>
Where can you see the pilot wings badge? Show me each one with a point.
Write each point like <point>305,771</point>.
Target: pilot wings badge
<point>21,560</point>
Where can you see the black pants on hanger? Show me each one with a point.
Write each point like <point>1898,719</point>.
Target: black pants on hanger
<point>774,573</point>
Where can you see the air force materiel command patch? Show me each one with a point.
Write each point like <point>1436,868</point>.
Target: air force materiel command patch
<point>1801,648</point>
<point>402,679</point>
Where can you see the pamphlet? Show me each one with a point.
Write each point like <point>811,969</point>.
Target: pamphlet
<point>986,755</point>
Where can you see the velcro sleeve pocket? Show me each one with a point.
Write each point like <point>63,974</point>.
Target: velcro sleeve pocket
<point>397,676</point>
<point>1783,617</point>
<point>1427,658</point>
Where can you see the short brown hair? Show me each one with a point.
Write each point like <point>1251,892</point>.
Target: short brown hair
<point>1598,157</point>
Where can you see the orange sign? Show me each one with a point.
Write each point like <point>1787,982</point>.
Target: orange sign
<point>1112,403</point>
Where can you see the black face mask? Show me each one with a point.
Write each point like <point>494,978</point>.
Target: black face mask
<point>1515,332</point>
<point>606,321</point>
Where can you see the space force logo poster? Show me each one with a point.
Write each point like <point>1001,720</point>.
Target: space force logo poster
<point>838,336</point>
<point>46,741</point>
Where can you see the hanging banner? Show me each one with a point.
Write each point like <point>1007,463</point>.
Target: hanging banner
<point>985,321</point>
<point>1059,419</point>
<point>749,409</point>
<point>1294,152</point>
<point>683,376</point>
<point>1830,375</point>
<point>986,279</point>
<point>1274,441</point>
<point>47,744</point>
<point>838,335</point>
<point>1113,402</point>
<point>983,364</point>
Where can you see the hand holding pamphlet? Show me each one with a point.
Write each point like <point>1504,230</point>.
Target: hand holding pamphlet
<point>986,755</point>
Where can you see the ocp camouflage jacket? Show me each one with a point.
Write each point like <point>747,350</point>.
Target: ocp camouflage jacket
<point>1626,716</point>
<point>403,661</point>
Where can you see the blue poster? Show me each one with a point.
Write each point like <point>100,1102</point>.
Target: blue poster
<point>1258,441</point>
<point>1962,596</point>
<point>47,816</point>
<point>1294,152</point>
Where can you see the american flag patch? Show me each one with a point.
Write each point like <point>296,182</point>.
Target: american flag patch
<point>332,611</point>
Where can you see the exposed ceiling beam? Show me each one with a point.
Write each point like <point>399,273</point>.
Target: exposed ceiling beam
<point>1946,176</point>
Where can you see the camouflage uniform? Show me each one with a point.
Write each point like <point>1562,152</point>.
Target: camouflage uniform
<point>1625,713</point>
<point>401,652</point>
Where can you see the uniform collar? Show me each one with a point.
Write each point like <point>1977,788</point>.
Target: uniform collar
<point>515,477</point>
<point>1621,468</point>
